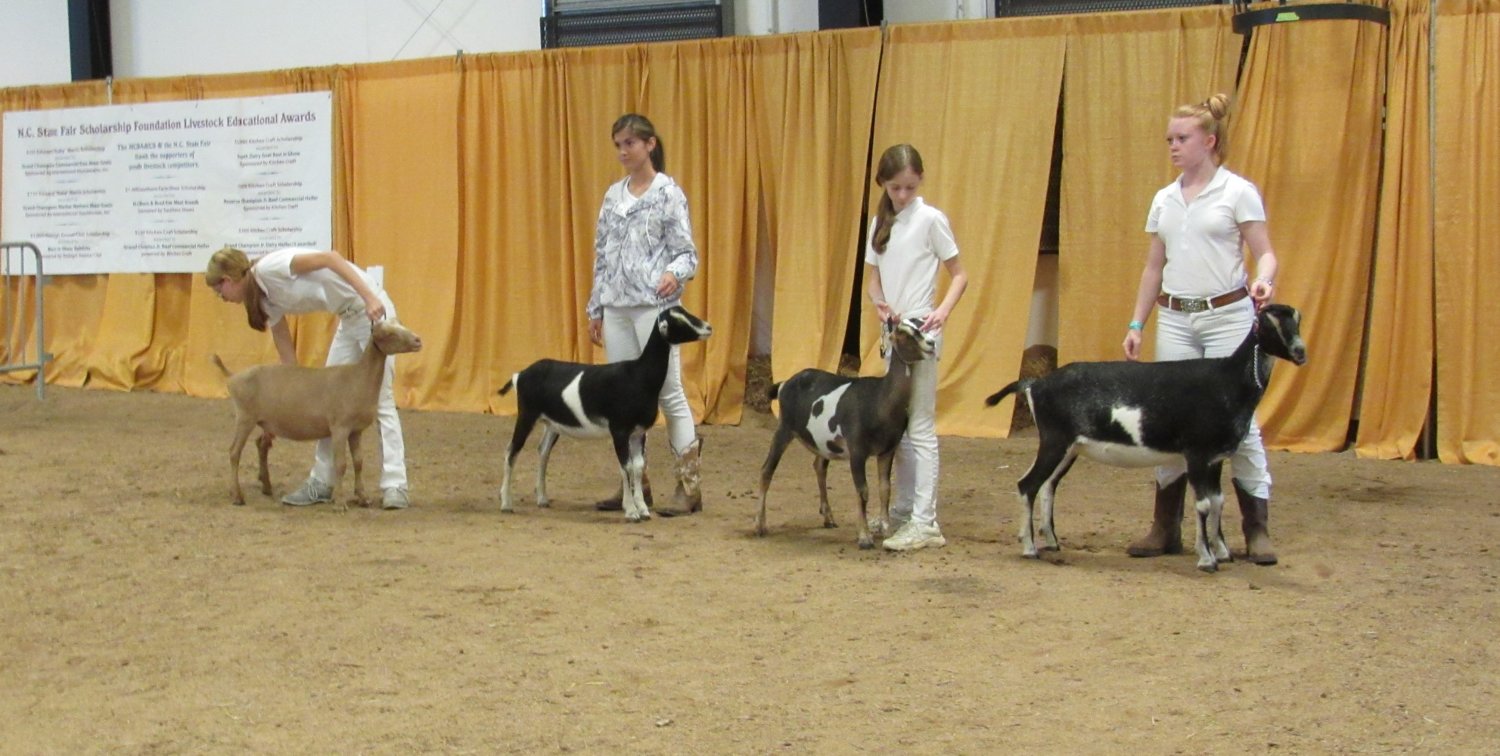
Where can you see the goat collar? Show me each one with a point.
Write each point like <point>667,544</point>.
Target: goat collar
<point>1260,385</point>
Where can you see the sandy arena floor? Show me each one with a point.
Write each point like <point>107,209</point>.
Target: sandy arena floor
<point>144,614</point>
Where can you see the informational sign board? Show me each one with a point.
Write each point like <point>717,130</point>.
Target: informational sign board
<point>157,187</point>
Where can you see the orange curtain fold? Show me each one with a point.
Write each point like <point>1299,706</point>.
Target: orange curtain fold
<point>1397,378</point>
<point>1468,258</point>
<point>814,96</point>
<point>403,184</point>
<point>1305,129</point>
<point>515,292</point>
<point>698,95</point>
<point>979,101</point>
<point>1125,74</point>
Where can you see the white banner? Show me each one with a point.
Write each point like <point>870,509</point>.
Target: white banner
<point>157,187</point>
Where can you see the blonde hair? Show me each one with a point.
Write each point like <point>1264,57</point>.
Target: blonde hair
<point>233,264</point>
<point>894,160</point>
<point>1210,115</point>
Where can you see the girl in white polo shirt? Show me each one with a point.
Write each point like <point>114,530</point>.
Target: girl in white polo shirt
<point>296,281</point>
<point>908,240</point>
<point>1195,277</point>
<point>643,256</point>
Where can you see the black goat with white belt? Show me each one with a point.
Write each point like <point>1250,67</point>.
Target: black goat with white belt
<point>618,400</point>
<point>1138,414</point>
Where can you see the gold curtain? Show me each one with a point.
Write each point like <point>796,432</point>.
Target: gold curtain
<point>1397,385</point>
<point>517,220</point>
<point>1125,74</point>
<point>1306,130</point>
<point>814,95</point>
<point>403,187</point>
<point>698,94</point>
<point>1468,259</point>
<point>979,101</point>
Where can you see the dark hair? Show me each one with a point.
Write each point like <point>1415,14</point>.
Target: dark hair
<point>640,126</point>
<point>1210,115</point>
<point>895,160</point>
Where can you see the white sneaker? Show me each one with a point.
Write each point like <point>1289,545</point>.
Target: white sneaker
<point>395,498</point>
<point>312,492</point>
<point>913,536</point>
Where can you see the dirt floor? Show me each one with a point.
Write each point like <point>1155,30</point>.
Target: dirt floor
<point>142,613</point>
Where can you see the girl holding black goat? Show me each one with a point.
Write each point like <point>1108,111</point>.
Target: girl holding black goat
<point>1200,225</point>
<point>909,239</point>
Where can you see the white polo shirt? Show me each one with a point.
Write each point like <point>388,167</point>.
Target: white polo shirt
<point>921,239</point>
<point>288,293</point>
<point>1204,249</point>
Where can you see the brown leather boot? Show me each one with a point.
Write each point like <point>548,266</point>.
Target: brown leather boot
<point>1165,536</point>
<point>688,498</point>
<point>617,502</point>
<point>1255,517</point>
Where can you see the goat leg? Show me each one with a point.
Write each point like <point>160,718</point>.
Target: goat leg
<point>544,452</point>
<point>236,447</point>
<point>263,451</point>
<point>767,470</point>
<point>340,464</point>
<point>820,468</point>
<point>883,489</point>
<point>862,488</point>
<point>358,460</point>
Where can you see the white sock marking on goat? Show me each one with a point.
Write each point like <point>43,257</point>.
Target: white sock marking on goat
<point>818,424</point>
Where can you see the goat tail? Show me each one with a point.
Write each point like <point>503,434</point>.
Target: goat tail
<point>994,399</point>
<point>773,391</point>
<point>506,388</point>
<point>220,363</point>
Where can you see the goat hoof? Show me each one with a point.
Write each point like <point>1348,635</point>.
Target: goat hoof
<point>1210,567</point>
<point>238,502</point>
<point>543,503</point>
<point>830,524</point>
<point>870,544</point>
<point>1030,555</point>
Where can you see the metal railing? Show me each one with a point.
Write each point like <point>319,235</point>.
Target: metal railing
<point>12,306</point>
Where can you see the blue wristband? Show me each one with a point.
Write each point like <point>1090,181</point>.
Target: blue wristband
<point>1136,325</point>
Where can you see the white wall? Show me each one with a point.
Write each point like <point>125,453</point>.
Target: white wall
<point>901,11</point>
<point>180,37</point>
<point>177,37</point>
<point>34,43</point>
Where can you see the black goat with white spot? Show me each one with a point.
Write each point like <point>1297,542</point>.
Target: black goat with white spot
<point>1138,414</point>
<point>618,400</point>
<point>838,417</point>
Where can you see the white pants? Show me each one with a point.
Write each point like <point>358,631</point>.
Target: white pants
<point>626,331</point>
<point>349,342</point>
<point>914,491</point>
<point>1216,333</point>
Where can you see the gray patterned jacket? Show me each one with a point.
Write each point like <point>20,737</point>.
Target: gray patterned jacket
<point>637,240</point>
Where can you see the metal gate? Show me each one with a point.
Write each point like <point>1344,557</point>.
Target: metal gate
<point>13,274</point>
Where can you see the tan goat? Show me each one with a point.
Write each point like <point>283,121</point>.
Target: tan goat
<point>311,403</point>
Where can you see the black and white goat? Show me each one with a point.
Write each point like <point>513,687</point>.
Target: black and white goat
<point>838,417</point>
<point>1139,414</point>
<point>618,400</point>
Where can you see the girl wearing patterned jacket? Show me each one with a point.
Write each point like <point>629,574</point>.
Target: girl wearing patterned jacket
<point>643,255</point>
